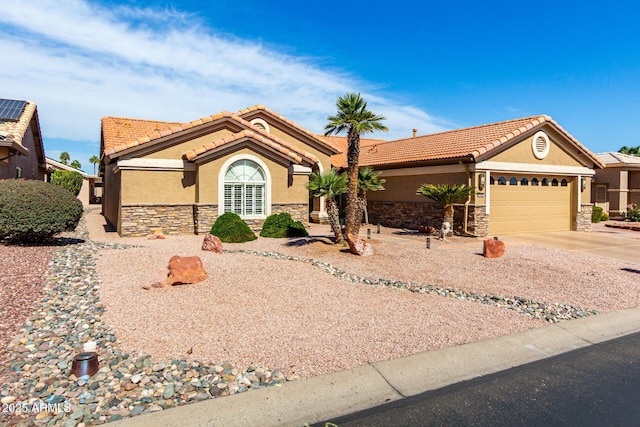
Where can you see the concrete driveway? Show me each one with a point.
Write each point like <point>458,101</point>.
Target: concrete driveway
<point>619,244</point>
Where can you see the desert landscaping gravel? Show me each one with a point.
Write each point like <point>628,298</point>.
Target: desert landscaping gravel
<point>274,310</point>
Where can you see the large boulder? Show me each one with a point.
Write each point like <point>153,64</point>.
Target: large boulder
<point>183,270</point>
<point>359,246</point>
<point>493,248</point>
<point>212,243</point>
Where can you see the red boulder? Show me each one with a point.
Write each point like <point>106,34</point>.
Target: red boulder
<point>212,243</point>
<point>359,246</point>
<point>493,248</point>
<point>183,270</point>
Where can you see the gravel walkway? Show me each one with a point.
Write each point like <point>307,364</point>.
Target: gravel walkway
<point>274,311</point>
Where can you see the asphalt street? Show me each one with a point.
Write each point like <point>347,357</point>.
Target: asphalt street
<point>597,385</point>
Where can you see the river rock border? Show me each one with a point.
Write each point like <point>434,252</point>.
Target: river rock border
<point>43,393</point>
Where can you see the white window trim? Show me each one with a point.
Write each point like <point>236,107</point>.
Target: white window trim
<point>540,154</point>
<point>267,183</point>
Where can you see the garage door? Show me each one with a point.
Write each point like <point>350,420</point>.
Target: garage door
<point>529,204</point>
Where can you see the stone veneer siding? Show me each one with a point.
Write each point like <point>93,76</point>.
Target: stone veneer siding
<point>583,218</point>
<point>142,220</point>
<point>414,214</point>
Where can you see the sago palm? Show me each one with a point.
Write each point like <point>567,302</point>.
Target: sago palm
<point>354,118</point>
<point>447,195</point>
<point>329,185</point>
<point>368,180</point>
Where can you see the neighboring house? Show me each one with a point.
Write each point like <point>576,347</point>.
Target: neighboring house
<point>179,177</point>
<point>91,190</point>
<point>530,174</point>
<point>21,147</point>
<point>618,185</point>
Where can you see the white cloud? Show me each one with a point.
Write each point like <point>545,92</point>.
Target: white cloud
<point>80,61</point>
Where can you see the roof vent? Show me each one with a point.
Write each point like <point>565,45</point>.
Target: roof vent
<point>260,124</point>
<point>415,132</point>
<point>540,145</point>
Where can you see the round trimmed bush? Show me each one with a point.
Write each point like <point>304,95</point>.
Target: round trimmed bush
<point>33,211</point>
<point>70,180</point>
<point>230,228</point>
<point>596,214</point>
<point>282,225</point>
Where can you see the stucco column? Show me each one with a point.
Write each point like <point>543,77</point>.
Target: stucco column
<point>623,194</point>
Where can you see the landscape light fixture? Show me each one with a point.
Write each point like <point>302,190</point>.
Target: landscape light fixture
<point>368,233</point>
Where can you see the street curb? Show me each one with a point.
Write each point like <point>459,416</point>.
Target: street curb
<point>345,392</point>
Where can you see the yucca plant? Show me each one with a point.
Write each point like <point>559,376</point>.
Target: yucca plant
<point>447,195</point>
<point>368,180</point>
<point>329,185</point>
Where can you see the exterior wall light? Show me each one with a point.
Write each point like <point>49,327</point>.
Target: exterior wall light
<point>481,182</point>
<point>583,184</point>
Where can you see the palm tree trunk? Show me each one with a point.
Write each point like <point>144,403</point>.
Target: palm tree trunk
<point>353,154</point>
<point>361,207</point>
<point>334,220</point>
<point>448,216</point>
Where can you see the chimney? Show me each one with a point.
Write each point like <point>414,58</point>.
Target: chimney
<point>415,131</point>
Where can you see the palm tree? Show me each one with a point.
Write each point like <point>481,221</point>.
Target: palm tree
<point>368,180</point>
<point>75,164</point>
<point>634,151</point>
<point>447,195</point>
<point>329,185</point>
<point>94,160</point>
<point>64,158</point>
<point>354,118</point>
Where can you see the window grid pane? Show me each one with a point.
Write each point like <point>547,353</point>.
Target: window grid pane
<point>244,189</point>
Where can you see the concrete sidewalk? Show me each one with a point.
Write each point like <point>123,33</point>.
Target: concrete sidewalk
<point>341,393</point>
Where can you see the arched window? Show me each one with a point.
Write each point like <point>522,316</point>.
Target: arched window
<point>524,181</point>
<point>502,181</point>
<point>563,183</point>
<point>534,181</point>
<point>244,189</point>
<point>554,182</point>
<point>545,182</point>
<point>513,181</point>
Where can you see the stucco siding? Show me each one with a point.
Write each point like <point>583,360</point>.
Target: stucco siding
<point>176,151</point>
<point>29,163</point>
<point>403,188</point>
<point>324,158</point>
<point>159,187</point>
<point>522,152</point>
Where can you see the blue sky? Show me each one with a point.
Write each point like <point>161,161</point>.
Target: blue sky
<point>426,65</point>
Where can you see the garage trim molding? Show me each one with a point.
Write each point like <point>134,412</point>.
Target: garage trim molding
<point>534,169</point>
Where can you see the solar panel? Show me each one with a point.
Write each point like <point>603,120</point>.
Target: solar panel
<point>10,109</point>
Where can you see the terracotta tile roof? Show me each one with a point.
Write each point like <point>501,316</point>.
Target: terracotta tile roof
<point>118,132</point>
<point>261,137</point>
<point>614,158</point>
<point>341,143</point>
<point>470,142</point>
<point>13,132</point>
<point>249,110</point>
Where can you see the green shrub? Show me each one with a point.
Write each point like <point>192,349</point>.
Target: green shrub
<point>32,211</point>
<point>230,228</point>
<point>297,229</point>
<point>633,213</point>
<point>70,180</point>
<point>605,216</point>
<point>596,214</point>
<point>282,225</point>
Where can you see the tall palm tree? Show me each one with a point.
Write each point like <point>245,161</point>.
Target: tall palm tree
<point>354,118</point>
<point>329,185</point>
<point>75,164</point>
<point>94,160</point>
<point>64,158</point>
<point>447,195</point>
<point>368,180</point>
